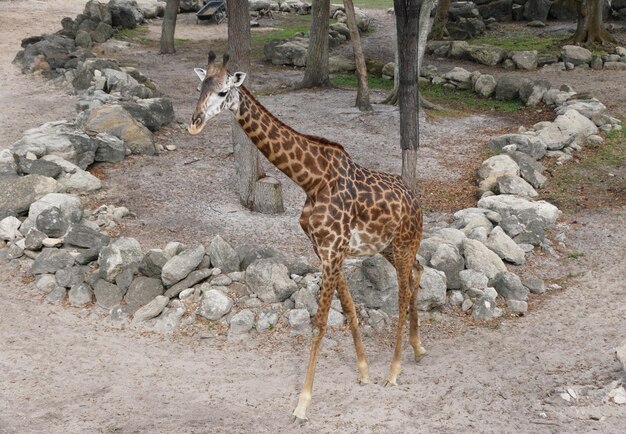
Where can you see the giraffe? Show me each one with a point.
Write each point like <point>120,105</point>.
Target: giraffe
<point>349,211</point>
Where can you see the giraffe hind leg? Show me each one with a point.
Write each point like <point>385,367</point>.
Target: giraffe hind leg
<point>414,336</point>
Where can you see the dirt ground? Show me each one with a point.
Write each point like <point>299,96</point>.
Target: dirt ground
<point>70,371</point>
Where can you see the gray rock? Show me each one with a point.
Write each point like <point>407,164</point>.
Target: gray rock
<point>498,165</point>
<point>80,235</point>
<point>478,257</point>
<point>589,108</point>
<point>9,228</point>
<point>465,28</point>
<point>460,77</point>
<point>517,306</point>
<point>305,299</point>
<point>142,290</point>
<point>169,320</point>
<point>524,209</point>
<point>619,66</point>
<point>14,251</point>
<point>8,167</point>
<point>378,319</point>
<point>57,295</point>
<point>510,286</point>
<point>509,184</point>
<point>46,282</point>
<point>266,321</point>
<point>151,310</point>
<point>107,294</point>
<point>504,246</point>
<point>485,308</point>
<point>565,129</point>
<point>373,283</point>
<point>530,145</point>
<point>87,255</point>
<point>214,305</point>
<point>16,195</point>
<point>241,323</point>
<point>223,256</point>
<point>432,292</point>
<point>525,59</point>
<point>34,239</point>
<point>620,353</point>
<point>46,54</point>
<point>472,279</point>
<point>335,319</point>
<point>80,295</point>
<point>286,51</point>
<point>575,55</point>
<point>69,204</point>
<point>530,170</point>
<point>299,321</point>
<point>70,276</point>
<point>79,182</point>
<point>26,166</point>
<point>83,39</point>
<point>120,254</point>
<point>110,148</point>
<point>455,297</point>
<point>192,279</point>
<point>153,262</point>
<point>125,14</point>
<point>51,260</point>
<point>101,33</point>
<point>531,93</point>
<point>451,235</point>
<point>485,86</point>
<point>116,121</point>
<point>154,113</point>
<point>61,138</point>
<point>536,10</point>
<point>486,54</point>
<point>179,267</point>
<point>52,222</point>
<point>534,285</point>
<point>270,281</point>
<point>448,260</point>
<point>501,10</point>
<point>508,87</point>
<point>427,248</point>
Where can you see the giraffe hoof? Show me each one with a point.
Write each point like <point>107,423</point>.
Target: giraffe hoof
<point>299,416</point>
<point>419,353</point>
<point>390,383</point>
<point>363,381</point>
<point>298,421</point>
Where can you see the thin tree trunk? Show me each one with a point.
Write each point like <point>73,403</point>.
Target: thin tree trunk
<point>168,27</point>
<point>589,24</point>
<point>407,14</point>
<point>247,158</point>
<point>440,21</point>
<point>363,92</point>
<point>316,72</point>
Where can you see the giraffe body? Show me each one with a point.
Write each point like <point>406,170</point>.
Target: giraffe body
<point>349,211</point>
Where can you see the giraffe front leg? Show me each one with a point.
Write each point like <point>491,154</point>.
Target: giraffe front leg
<point>319,330</point>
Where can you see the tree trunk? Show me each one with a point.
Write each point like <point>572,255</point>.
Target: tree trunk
<point>407,14</point>
<point>169,26</point>
<point>247,157</point>
<point>590,25</point>
<point>316,72</point>
<point>363,92</point>
<point>441,20</point>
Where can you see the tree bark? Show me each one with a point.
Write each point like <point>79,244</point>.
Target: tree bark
<point>590,24</point>
<point>316,72</point>
<point>440,21</point>
<point>407,14</point>
<point>363,92</point>
<point>168,27</point>
<point>247,157</point>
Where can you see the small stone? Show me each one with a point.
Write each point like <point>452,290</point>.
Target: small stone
<point>534,285</point>
<point>455,297</point>
<point>467,305</point>
<point>335,319</point>
<point>510,286</point>
<point>107,294</point>
<point>80,295</point>
<point>52,242</point>
<point>299,321</point>
<point>517,306</point>
<point>214,305</point>
<point>266,321</point>
<point>179,267</point>
<point>50,260</point>
<point>221,280</point>
<point>57,295</point>
<point>9,228</point>
<point>241,323</point>
<point>46,282</point>
<point>150,310</point>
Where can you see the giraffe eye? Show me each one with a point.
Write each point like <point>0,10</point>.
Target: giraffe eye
<point>222,94</point>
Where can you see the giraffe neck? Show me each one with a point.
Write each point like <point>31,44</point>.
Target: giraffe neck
<point>304,159</point>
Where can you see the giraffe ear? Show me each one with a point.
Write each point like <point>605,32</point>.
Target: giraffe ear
<point>201,73</point>
<point>238,78</point>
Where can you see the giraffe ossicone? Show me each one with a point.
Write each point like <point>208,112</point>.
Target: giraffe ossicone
<point>349,211</point>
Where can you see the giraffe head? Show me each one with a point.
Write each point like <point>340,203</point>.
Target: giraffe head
<point>217,92</point>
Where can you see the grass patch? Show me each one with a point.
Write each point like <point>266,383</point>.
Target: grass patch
<point>138,34</point>
<point>466,100</point>
<point>295,24</point>
<point>575,255</point>
<point>180,41</point>
<point>594,179</point>
<point>373,4</point>
<point>349,80</point>
<point>543,44</point>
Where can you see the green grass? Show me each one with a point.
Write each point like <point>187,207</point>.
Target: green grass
<point>138,34</point>
<point>544,45</point>
<point>347,80</point>
<point>575,255</point>
<point>466,100</point>
<point>373,4</point>
<point>180,41</point>
<point>595,179</point>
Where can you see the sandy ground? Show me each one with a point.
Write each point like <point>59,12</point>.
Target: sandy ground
<point>68,370</point>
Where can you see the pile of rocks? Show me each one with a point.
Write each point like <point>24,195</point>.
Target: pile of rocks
<point>53,55</point>
<point>571,56</point>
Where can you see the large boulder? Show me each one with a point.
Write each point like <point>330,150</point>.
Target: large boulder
<point>286,51</point>
<point>179,267</point>
<point>154,113</point>
<point>70,205</point>
<point>501,10</point>
<point>84,74</point>
<point>432,292</point>
<point>448,260</point>
<point>222,255</point>
<point>115,120</point>
<point>576,55</point>
<point>537,10</point>
<point>479,258</point>
<point>125,14</point>
<point>214,305</point>
<point>508,87</point>
<point>373,282</point>
<point>46,54</point>
<point>486,54</point>
<point>97,11</point>
<point>270,281</point>
<point>525,59</point>
<point>498,165</point>
<point>61,138</point>
<point>566,128</point>
<point>16,195</point>
<point>465,28</point>
<point>504,246</point>
<point>485,85</point>
<point>530,145</point>
<point>121,254</point>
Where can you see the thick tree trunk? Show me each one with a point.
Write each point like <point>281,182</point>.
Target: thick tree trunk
<point>247,156</point>
<point>589,25</point>
<point>168,27</point>
<point>316,72</point>
<point>363,92</point>
<point>440,21</point>
<point>407,14</point>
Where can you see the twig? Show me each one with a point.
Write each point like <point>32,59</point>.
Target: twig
<point>187,163</point>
